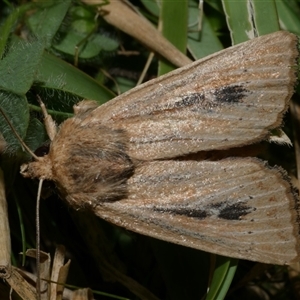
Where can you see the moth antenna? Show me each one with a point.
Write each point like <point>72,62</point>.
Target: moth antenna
<point>18,136</point>
<point>38,237</point>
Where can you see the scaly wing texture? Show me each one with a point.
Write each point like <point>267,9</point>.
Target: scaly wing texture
<point>231,98</point>
<point>234,207</point>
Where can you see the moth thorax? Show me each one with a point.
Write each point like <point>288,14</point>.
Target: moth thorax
<point>38,169</point>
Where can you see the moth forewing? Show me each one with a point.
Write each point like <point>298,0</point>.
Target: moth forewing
<point>234,207</point>
<point>231,98</point>
<point>104,158</point>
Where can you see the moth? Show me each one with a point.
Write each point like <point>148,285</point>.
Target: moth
<point>129,160</point>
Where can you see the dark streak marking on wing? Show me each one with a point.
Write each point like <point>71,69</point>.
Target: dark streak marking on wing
<point>231,211</point>
<point>189,100</point>
<point>183,211</point>
<point>221,210</point>
<point>230,94</point>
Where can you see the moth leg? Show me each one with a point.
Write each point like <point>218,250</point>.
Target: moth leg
<point>84,107</point>
<point>50,125</point>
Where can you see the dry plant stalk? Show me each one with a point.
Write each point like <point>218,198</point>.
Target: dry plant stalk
<point>45,270</point>
<point>5,249</point>
<point>59,274</point>
<point>19,284</point>
<point>23,282</point>
<point>121,160</point>
<point>122,16</point>
<point>82,294</point>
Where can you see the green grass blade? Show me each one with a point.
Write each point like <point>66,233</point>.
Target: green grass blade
<point>247,19</point>
<point>261,9</point>
<point>289,13</point>
<point>238,18</point>
<point>174,18</point>
<point>222,278</point>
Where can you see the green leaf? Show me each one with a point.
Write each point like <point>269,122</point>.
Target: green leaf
<point>18,67</point>
<point>93,47</point>
<point>203,43</point>
<point>152,7</point>
<point>36,134</point>
<point>47,19</point>
<point>7,27</point>
<point>56,74</point>
<point>16,110</point>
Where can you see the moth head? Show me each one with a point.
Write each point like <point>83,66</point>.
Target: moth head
<point>40,169</point>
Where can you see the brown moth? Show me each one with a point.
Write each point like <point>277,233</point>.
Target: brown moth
<point>122,159</point>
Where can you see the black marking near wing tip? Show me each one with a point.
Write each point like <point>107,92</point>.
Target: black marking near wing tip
<point>223,95</point>
<point>231,211</point>
<point>230,94</point>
